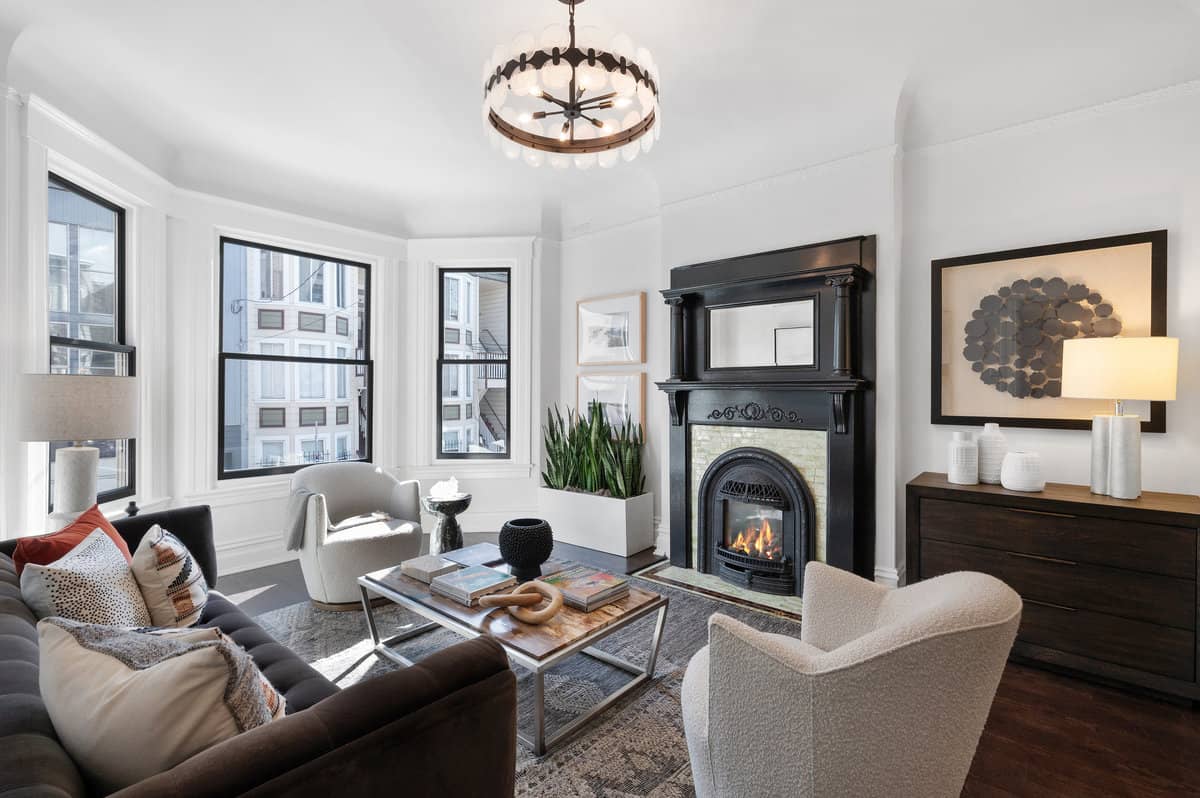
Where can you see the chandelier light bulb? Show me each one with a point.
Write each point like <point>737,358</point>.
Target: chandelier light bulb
<point>545,97</point>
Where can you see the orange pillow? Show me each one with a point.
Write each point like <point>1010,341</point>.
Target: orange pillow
<point>45,549</point>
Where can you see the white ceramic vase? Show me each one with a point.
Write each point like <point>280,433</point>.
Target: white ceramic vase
<point>962,460</point>
<point>1022,471</point>
<point>992,448</point>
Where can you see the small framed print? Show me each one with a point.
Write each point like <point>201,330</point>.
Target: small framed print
<point>622,395</point>
<point>1000,319</point>
<point>610,330</point>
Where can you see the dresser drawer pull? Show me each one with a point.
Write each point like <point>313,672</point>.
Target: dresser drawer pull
<point>1040,558</point>
<point>1048,604</point>
<point>1039,512</point>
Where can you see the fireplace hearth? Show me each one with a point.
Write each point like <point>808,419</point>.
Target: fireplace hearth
<point>756,524</point>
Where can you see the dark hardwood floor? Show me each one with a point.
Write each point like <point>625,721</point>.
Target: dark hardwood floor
<point>1047,735</point>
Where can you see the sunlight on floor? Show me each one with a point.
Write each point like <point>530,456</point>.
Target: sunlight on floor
<point>246,595</point>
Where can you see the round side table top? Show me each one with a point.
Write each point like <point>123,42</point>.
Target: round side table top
<point>448,506</point>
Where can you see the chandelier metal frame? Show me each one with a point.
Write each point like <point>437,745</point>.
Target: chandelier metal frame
<point>576,107</point>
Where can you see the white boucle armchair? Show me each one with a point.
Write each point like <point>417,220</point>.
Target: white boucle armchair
<point>359,519</point>
<point>885,693</point>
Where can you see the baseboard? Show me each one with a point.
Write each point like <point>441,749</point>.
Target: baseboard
<point>889,576</point>
<point>250,553</point>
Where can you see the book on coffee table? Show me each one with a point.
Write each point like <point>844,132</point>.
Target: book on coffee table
<point>467,585</point>
<point>427,567</point>
<point>479,554</point>
<point>586,588</point>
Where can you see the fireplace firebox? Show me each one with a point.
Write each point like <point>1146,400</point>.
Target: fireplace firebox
<point>755,525</point>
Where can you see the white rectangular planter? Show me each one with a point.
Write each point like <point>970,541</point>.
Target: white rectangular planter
<point>615,526</point>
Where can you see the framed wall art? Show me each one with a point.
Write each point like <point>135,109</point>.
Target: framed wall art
<point>1000,319</point>
<point>623,395</point>
<point>610,330</point>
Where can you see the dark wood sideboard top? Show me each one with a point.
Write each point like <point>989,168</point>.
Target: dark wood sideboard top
<point>1168,508</point>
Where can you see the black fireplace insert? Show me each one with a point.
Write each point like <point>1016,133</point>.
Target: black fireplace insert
<point>755,521</point>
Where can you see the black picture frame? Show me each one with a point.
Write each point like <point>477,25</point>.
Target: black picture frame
<point>1158,323</point>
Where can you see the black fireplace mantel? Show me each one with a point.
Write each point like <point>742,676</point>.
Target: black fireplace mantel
<point>836,394</point>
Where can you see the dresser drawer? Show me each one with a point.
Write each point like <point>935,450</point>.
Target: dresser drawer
<point>1133,644</point>
<point>1130,594</point>
<point>1087,539</point>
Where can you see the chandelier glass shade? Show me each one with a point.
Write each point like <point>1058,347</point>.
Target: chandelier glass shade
<point>571,98</point>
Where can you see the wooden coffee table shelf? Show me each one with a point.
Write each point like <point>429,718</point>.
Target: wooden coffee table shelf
<point>537,648</point>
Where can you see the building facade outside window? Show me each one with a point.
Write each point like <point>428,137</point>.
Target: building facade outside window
<point>85,242</point>
<point>292,370</point>
<point>473,363</point>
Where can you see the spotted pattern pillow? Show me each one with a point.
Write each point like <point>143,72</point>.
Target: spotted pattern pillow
<point>171,581</point>
<point>92,583</point>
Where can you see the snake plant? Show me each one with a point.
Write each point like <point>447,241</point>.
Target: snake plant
<point>584,452</point>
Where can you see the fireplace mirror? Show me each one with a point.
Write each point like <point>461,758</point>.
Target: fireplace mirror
<point>762,334</point>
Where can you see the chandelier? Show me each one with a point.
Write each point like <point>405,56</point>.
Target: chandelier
<point>568,99</point>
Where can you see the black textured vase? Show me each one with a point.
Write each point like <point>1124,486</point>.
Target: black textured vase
<point>526,543</point>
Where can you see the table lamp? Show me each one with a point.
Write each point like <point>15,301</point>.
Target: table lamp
<point>77,408</point>
<point>1120,369</point>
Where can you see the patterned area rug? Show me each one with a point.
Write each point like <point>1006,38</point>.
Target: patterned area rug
<point>635,748</point>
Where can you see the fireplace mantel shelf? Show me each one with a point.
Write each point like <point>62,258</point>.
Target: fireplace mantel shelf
<point>842,384</point>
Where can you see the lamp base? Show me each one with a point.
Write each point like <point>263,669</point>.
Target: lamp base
<point>75,470</point>
<point>1117,456</point>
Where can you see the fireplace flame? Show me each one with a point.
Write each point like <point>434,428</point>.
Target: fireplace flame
<point>759,542</point>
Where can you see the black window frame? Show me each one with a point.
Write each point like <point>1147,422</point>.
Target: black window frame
<point>363,366</point>
<point>119,347</point>
<point>442,361</point>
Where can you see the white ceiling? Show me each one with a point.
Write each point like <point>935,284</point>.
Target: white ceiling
<point>367,112</point>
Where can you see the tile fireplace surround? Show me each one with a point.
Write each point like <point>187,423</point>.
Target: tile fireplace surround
<point>803,448</point>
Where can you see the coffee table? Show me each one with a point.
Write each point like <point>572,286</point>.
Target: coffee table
<point>536,648</point>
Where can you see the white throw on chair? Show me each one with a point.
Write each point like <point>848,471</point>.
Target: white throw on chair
<point>357,519</point>
<point>885,693</point>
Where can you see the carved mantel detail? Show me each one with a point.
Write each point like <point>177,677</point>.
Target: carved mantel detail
<point>753,411</point>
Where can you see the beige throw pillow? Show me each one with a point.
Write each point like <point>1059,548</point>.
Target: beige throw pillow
<point>127,704</point>
<point>170,579</point>
<point>91,583</point>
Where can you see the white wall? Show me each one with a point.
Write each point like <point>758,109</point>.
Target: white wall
<point>1124,167</point>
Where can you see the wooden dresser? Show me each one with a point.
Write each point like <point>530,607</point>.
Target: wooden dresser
<point>1110,586</point>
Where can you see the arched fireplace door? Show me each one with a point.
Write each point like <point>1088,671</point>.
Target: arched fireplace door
<point>755,521</point>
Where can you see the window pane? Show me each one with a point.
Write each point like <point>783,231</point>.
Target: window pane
<point>272,382</point>
<point>478,410</point>
<point>82,246</point>
<point>113,472</point>
<point>296,284</point>
<point>450,298</point>
<point>244,435</point>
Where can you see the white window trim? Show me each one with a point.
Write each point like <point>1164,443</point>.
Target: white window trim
<point>520,255</point>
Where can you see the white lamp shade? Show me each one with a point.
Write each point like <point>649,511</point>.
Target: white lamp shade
<point>73,407</point>
<point>1120,368</point>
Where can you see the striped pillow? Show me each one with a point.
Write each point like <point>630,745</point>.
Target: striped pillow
<point>170,579</point>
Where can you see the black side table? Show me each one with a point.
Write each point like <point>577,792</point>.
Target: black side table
<point>447,536</point>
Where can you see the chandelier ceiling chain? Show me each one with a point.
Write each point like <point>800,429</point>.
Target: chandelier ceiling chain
<point>572,98</point>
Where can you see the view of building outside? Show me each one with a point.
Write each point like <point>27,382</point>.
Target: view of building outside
<point>298,411</point>
<point>82,284</point>
<point>475,395</point>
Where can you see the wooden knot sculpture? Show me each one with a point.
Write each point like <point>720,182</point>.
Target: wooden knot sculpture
<point>523,598</point>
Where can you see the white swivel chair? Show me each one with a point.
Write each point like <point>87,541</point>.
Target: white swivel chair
<point>885,693</point>
<point>358,519</point>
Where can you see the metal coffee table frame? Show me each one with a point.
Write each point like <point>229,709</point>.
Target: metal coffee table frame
<point>539,742</point>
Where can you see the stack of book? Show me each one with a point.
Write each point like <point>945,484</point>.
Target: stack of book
<point>479,554</point>
<point>426,568</point>
<point>586,588</point>
<point>467,585</point>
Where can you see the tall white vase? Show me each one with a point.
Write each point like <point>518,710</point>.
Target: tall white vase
<point>992,448</point>
<point>962,460</point>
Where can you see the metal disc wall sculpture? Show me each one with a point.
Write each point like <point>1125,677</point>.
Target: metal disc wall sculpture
<point>1014,341</point>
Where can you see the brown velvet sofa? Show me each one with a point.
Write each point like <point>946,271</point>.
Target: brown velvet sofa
<point>445,727</point>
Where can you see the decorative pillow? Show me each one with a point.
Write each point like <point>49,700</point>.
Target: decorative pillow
<point>127,705</point>
<point>45,549</point>
<point>171,582</point>
<point>92,583</point>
